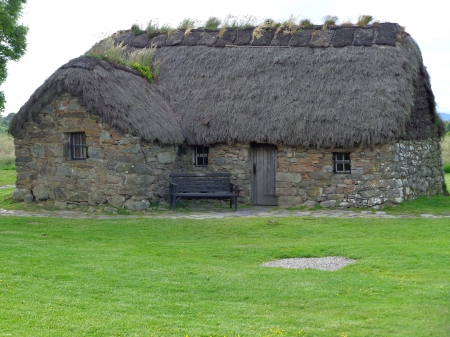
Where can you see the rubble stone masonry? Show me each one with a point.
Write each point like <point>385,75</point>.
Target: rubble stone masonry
<point>121,169</point>
<point>383,175</point>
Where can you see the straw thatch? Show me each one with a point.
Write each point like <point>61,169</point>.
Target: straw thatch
<point>119,95</point>
<point>327,97</point>
<point>354,95</point>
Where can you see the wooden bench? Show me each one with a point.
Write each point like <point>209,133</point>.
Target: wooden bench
<point>202,186</point>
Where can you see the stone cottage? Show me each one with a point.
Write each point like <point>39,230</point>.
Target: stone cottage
<point>343,116</point>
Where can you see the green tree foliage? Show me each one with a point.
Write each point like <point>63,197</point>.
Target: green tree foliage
<point>12,37</point>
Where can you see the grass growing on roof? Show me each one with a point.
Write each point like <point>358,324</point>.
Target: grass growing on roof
<point>140,60</point>
<point>364,20</point>
<point>330,20</point>
<point>202,278</point>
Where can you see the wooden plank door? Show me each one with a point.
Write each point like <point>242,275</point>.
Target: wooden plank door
<point>264,167</point>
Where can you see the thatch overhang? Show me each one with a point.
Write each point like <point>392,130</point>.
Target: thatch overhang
<point>117,94</point>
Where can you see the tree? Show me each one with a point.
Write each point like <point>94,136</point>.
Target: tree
<point>12,37</point>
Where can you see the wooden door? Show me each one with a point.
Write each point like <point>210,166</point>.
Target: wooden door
<point>264,167</point>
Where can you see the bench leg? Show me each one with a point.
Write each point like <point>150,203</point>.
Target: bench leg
<point>235,203</point>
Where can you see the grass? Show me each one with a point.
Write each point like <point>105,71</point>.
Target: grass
<point>6,152</point>
<point>154,277</point>
<point>445,146</point>
<point>7,177</point>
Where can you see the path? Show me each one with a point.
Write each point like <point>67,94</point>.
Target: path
<point>255,211</point>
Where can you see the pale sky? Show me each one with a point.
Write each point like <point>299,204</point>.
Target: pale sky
<point>60,30</point>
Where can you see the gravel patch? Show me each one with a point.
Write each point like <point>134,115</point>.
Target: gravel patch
<point>322,263</point>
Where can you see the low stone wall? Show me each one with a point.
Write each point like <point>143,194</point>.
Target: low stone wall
<point>382,175</point>
<point>121,170</point>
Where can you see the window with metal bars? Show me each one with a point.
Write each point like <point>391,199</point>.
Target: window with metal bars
<point>78,148</point>
<point>342,163</point>
<point>201,155</point>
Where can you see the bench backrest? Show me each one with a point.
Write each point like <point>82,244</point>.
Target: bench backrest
<point>201,182</point>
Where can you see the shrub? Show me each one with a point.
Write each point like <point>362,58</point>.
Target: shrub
<point>232,21</point>
<point>306,23</point>
<point>186,24</point>
<point>212,23</point>
<point>288,26</point>
<point>153,28</point>
<point>329,20</point>
<point>364,20</point>
<point>137,30</point>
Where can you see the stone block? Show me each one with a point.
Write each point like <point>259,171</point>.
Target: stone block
<point>116,200</point>
<point>321,38</point>
<point>370,193</point>
<point>287,201</point>
<point>265,39</point>
<point>227,38</point>
<point>192,38</point>
<point>78,196</point>
<point>343,37</point>
<point>139,41</point>
<point>289,177</point>
<point>175,39</point>
<point>328,203</point>
<point>301,39</point>
<point>60,205</point>
<point>208,38</point>
<point>125,168</point>
<point>19,193</point>
<point>363,37</point>
<point>28,198</point>
<point>281,39</point>
<point>310,203</point>
<point>165,157</point>
<point>386,34</point>
<point>137,206</point>
<point>98,197</point>
<point>40,193</point>
<point>158,41</point>
<point>243,37</point>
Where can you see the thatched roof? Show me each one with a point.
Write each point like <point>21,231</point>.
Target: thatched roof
<point>331,97</point>
<point>339,87</point>
<point>117,94</point>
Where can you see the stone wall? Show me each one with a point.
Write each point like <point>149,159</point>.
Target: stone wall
<point>382,175</point>
<point>121,170</point>
<point>234,159</point>
<point>125,171</point>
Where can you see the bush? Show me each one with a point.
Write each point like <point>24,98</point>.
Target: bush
<point>137,30</point>
<point>186,24</point>
<point>364,20</point>
<point>306,23</point>
<point>330,20</point>
<point>212,23</point>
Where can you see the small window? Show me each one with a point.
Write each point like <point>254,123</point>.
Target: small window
<point>78,148</point>
<point>201,155</point>
<point>342,163</point>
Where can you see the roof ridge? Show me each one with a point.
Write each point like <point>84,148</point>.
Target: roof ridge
<point>316,37</point>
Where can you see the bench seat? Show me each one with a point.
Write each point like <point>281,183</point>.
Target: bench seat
<point>202,186</point>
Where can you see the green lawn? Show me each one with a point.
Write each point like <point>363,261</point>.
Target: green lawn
<point>178,277</point>
<point>7,177</point>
